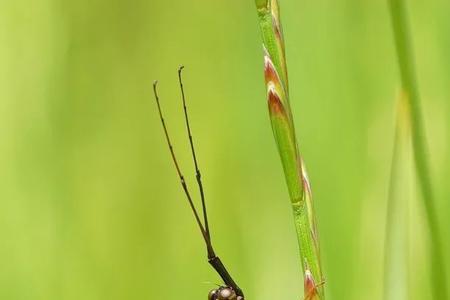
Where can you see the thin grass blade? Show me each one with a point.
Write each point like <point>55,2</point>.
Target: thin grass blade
<point>276,79</point>
<point>400,193</point>
<point>409,83</point>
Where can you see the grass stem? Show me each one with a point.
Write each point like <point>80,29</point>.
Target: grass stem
<point>410,87</point>
<point>277,88</point>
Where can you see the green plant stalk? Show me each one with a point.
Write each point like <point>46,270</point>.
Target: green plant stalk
<point>396,241</point>
<point>410,87</point>
<point>276,79</point>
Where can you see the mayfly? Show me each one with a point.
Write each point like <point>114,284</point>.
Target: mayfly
<point>229,291</point>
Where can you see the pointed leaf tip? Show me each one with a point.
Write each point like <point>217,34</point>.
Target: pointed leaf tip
<point>275,105</point>
<point>310,286</point>
<point>270,73</point>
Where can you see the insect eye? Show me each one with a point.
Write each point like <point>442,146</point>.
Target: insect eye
<point>226,293</point>
<point>212,295</point>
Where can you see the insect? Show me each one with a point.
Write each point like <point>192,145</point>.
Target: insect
<point>229,291</point>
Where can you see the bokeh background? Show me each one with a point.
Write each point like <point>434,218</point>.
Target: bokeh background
<point>90,205</point>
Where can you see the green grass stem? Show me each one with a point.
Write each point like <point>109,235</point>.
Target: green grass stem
<point>277,88</point>
<point>400,182</point>
<point>410,87</point>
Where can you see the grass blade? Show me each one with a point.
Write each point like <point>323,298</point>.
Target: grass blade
<point>276,78</point>
<point>410,88</point>
<point>400,192</point>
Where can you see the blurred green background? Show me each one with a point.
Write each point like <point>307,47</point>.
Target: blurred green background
<point>90,205</point>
